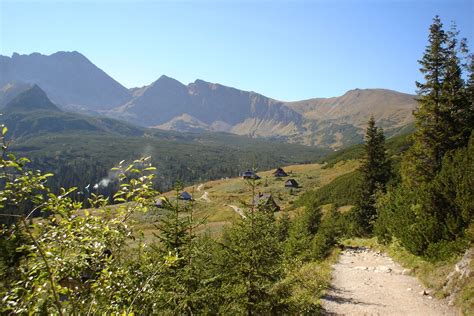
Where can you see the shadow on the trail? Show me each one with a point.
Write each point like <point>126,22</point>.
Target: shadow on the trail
<point>339,296</point>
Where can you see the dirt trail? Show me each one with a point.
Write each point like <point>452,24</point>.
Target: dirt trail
<point>205,197</point>
<point>238,210</point>
<point>369,283</point>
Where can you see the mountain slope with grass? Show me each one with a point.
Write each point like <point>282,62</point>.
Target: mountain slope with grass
<point>31,113</point>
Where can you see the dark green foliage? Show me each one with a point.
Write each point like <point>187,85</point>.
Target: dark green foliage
<point>430,210</point>
<point>252,265</point>
<point>341,191</point>
<point>302,230</point>
<point>454,184</point>
<point>431,220</point>
<point>395,146</point>
<point>376,171</point>
<point>187,282</point>
<point>444,115</point>
<point>81,158</point>
<point>430,135</point>
<point>284,224</point>
<point>332,227</point>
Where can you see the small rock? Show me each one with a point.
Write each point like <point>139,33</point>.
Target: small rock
<point>409,289</point>
<point>430,297</point>
<point>424,292</point>
<point>383,269</point>
<point>406,271</point>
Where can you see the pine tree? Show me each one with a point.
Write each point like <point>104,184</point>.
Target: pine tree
<point>426,212</point>
<point>284,224</point>
<point>302,230</point>
<point>456,111</point>
<point>184,280</point>
<point>424,157</point>
<point>445,115</point>
<point>252,263</point>
<point>376,172</point>
<point>467,116</point>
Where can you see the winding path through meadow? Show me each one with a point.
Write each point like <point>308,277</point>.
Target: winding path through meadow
<point>370,283</point>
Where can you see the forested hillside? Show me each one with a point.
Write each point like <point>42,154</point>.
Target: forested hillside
<point>79,159</point>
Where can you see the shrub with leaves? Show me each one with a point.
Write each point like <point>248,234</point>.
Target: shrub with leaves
<point>68,260</point>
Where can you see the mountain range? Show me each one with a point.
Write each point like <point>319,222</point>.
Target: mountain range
<point>74,83</point>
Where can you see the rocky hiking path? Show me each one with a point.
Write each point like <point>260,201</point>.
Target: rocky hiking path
<point>370,283</point>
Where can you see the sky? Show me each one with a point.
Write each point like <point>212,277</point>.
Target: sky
<point>287,50</point>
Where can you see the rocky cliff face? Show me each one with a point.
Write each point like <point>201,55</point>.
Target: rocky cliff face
<point>169,104</point>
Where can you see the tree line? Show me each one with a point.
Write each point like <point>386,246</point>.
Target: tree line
<point>428,204</point>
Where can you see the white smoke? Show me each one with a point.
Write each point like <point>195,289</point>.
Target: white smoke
<point>104,182</point>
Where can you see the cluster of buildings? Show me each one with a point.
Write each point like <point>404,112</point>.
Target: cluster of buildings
<point>278,173</point>
<point>261,199</point>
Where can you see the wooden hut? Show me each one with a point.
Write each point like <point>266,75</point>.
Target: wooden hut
<point>162,202</point>
<point>279,173</point>
<point>291,183</point>
<point>265,202</point>
<point>249,174</point>
<point>185,196</point>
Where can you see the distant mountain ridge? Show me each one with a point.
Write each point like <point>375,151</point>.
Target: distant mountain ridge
<point>75,83</point>
<point>167,99</point>
<point>68,78</point>
<point>31,113</point>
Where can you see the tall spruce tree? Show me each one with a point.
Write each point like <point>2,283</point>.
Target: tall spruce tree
<point>455,109</point>
<point>376,172</point>
<point>426,212</point>
<point>423,159</point>
<point>468,117</point>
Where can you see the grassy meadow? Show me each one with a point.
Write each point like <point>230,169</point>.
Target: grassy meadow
<point>215,211</point>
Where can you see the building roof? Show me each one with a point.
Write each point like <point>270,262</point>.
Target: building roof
<point>265,201</point>
<point>185,196</point>
<point>250,175</point>
<point>291,183</point>
<point>279,172</point>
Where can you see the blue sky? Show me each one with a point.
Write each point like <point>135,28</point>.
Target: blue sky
<point>288,50</point>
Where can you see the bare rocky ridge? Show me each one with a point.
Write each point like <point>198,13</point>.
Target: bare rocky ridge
<point>370,283</point>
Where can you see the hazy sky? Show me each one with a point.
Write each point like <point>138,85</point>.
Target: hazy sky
<point>287,50</point>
